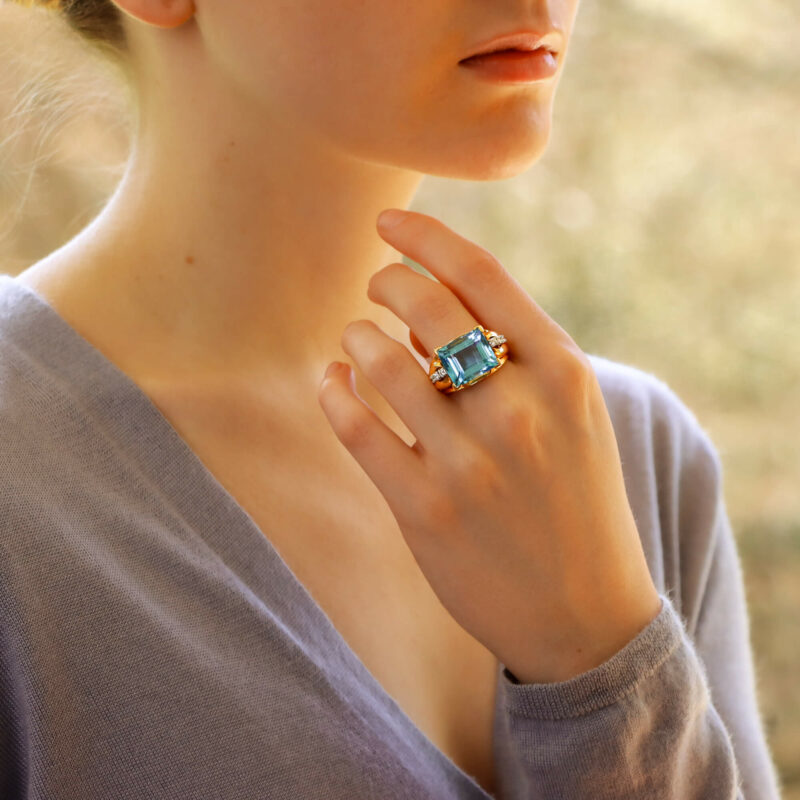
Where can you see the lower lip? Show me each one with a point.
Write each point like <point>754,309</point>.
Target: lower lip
<point>515,66</point>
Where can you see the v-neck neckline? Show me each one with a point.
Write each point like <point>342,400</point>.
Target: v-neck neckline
<point>129,417</point>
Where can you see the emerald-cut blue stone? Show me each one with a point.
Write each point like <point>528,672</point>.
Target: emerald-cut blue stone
<point>468,358</point>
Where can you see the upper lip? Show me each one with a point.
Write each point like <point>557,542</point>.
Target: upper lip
<point>519,40</point>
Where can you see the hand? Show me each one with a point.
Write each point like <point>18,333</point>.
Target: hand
<point>512,497</point>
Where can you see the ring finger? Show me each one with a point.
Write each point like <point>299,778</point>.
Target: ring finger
<point>432,311</point>
<point>427,306</point>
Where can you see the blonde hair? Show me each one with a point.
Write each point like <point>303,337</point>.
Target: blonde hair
<point>68,107</point>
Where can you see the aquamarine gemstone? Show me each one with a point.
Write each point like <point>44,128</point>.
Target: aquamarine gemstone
<point>468,358</point>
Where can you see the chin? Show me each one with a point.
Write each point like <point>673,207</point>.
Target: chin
<point>496,157</point>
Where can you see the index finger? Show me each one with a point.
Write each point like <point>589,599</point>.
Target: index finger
<point>486,288</point>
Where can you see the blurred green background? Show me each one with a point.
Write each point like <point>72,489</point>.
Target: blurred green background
<point>660,228</point>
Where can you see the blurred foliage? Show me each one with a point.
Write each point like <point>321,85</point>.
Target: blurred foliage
<point>659,229</point>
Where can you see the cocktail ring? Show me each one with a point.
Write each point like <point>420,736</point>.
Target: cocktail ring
<point>467,359</point>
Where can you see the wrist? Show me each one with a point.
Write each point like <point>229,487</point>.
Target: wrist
<point>603,640</point>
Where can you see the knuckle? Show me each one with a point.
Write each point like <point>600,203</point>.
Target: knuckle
<point>438,511</point>
<point>353,429</point>
<point>484,268</point>
<point>574,377</point>
<point>432,304</point>
<point>384,363</point>
<point>513,421</point>
<point>468,469</point>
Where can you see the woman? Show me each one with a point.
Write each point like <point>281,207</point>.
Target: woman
<point>501,567</point>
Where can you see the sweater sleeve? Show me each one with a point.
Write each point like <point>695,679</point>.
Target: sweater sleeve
<point>668,716</point>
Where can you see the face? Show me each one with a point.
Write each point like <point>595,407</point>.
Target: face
<point>380,80</point>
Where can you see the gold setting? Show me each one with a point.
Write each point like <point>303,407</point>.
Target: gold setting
<point>445,385</point>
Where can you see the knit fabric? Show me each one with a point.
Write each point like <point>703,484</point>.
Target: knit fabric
<point>154,644</point>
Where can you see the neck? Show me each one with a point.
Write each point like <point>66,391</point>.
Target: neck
<point>234,256</point>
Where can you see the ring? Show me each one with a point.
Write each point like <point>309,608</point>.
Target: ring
<point>467,359</point>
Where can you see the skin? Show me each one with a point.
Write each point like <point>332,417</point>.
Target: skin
<point>239,256</point>
<point>520,520</point>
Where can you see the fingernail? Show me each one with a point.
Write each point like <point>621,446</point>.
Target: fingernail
<point>331,369</point>
<point>391,217</point>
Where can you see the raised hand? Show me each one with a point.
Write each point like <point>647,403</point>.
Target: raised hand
<point>512,498</point>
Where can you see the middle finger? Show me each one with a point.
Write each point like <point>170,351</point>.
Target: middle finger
<point>429,308</point>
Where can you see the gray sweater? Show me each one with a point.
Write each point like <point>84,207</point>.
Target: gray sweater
<point>153,643</point>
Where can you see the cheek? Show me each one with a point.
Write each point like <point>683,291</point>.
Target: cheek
<point>344,66</point>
